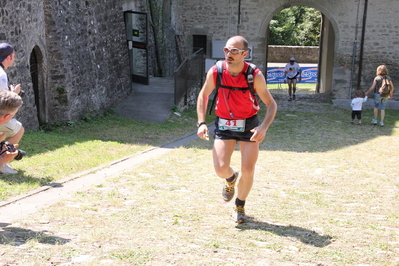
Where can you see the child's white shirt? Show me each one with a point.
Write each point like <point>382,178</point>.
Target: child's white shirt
<point>357,103</point>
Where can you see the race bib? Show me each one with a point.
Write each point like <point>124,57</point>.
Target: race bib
<point>232,125</point>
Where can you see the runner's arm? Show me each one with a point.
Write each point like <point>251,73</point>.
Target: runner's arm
<point>271,105</point>
<point>202,103</point>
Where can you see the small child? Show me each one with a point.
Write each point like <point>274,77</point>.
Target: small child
<point>356,105</point>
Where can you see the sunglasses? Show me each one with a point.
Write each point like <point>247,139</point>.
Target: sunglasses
<point>233,51</point>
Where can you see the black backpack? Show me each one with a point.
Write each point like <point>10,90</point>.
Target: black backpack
<point>385,89</point>
<point>249,77</point>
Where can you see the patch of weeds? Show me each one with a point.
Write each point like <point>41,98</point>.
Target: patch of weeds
<point>213,245</point>
<point>46,127</point>
<point>82,194</point>
<point>110,112</point>
<point>70,253</point>
<point>62,95</point>
<point>61,90</point>
<point>174,108</point>
<point>63,100</point>
<point>133,256</point>
<point>90,208</point>
<point>89,116</point>
<point>70,123</point>
<point>374,227</point>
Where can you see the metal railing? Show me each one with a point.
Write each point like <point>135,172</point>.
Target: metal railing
<point>190,72</point>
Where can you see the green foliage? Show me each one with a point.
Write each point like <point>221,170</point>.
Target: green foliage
<point>62,99</point>
<point>297,25</point>
<point>61,90</point>
<point>89,115</point>
<point>175,108</point>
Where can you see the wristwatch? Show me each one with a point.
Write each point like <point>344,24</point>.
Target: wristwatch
<point>200,124</point>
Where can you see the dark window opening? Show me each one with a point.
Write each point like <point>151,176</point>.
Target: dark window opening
<point>199,41</point>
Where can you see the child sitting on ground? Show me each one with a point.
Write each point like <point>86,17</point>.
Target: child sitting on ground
<point>357,104</point>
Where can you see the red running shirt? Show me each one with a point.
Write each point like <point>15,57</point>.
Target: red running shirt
<point>235,104</point>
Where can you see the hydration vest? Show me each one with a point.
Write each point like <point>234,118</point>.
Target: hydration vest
<point>248,75</point>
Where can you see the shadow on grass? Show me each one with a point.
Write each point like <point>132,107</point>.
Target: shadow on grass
<point>321,128</point>
<point>16,236</point>
<point>21,178</point>
<point>308,237</point>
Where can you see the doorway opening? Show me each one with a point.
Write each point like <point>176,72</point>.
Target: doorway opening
<point>307,35</point>
<point>37,77</point>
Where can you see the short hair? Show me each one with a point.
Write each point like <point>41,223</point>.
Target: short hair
<point>382,70</point>
<point>358,93</point>
<point>9,102</point>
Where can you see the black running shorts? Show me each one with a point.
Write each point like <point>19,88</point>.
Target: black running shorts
<point>250,124</point>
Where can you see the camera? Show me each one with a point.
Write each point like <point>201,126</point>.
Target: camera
<point>10,147</point>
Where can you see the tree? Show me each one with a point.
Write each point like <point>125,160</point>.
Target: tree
<point>297,25</point>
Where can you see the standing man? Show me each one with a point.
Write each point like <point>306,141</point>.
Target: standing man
<point>13,130</point>
<point>292,69</point>
<point>237,120</point>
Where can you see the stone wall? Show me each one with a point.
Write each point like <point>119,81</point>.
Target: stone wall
<point>302,54</point>
<point>251,19</point>
<point>83,58</point>
<point>92,45</point>
<point>84,66</point>
<point>22,25</point>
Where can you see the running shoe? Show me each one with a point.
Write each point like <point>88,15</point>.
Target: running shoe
<point>239,214</point>
<point>228,188</point>
<point>374,122</point>
<point>382,123</point>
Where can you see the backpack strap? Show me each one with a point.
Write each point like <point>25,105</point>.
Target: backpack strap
<point>219,67</point>
<point>248,76</point>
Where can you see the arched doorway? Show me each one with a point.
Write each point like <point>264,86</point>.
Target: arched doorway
<point>37,76</point>
<point>323,64</point>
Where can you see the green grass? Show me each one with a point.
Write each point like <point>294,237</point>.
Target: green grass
<point>325,193</point>
<point>302,88</point>
<point>69,150</point>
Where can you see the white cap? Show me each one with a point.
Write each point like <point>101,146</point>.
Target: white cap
<point>292,59</point>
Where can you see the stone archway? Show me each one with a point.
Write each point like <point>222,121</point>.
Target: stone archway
<point>37,77</point>
<point>326,47</point>
<point>326,56</point>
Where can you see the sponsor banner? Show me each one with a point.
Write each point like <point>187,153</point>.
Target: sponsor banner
<point>276,75</point>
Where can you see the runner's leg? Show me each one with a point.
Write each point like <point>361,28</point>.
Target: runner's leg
<point>222,151</point>
<point>249,156</point>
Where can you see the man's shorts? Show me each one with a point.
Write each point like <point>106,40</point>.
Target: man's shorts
<point>250,123</point>
<point>294,77</point>
<point>11,128</point>
<point>380,102</point>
